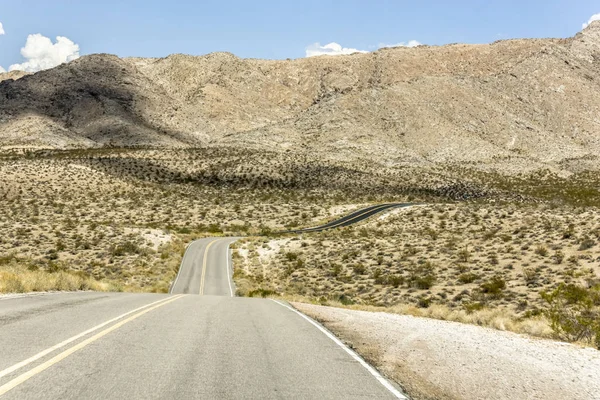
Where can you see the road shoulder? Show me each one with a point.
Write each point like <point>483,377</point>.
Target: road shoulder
<point>448,360</point>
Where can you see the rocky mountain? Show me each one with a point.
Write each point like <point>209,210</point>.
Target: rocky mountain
<point>515,104</point>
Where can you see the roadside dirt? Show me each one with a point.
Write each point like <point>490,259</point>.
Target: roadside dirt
<point>434,359</point>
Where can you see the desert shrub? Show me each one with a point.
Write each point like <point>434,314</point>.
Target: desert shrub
<point>378,276</point>
<point>424,302</point>
<point>471,307</point>
<point>260,292</point>
<point>493,287</point>
<point>359,269</point>
<point>264,231</point>
<point>395,280</point>
<point>468,277</point>
<point>494,259</point>
<point>291,256</point>
<point>574,312</point>
<point>490,234</point>
<point>432,233</point>
<point>587,243</point>
<point>530,275</point>
<point>558,257</point>
<point>53,267</point>
<point>336,269</point>
<point>423,276</point>
<point>569,232</point>
<point>464,255</point>
<point>125,248</point>
<point>541,251</point>
<point>345,300</point>
<point>573,260</point>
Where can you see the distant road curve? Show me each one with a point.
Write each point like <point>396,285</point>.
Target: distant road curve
<point>353,218</point>
<point>206,265</point>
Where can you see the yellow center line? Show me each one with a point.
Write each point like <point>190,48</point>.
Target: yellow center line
<point>204,261</point>
<point>64,343</point>
<point>59,357</point>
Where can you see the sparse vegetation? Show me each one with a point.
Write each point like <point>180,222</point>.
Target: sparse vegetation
<point>466,270</point>
<point>120,220</point>
<point>574,312</point>
<point>125,215</point>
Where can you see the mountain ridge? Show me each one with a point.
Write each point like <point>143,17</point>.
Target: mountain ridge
<point>513,104</point>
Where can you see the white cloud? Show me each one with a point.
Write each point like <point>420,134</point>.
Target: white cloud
<point>335,49</point>
<point>41,53</point>
<point>595,17</point>
<point>410,43</point>
<point>2,70</point>
<point>1,29</point>
<point>331,49</point>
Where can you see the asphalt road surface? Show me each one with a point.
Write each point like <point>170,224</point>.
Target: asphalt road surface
<point>355,217</point>
<point>206,268</point>
<point>198,342</point>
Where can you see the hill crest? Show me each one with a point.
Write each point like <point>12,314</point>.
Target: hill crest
<point>520,103</point>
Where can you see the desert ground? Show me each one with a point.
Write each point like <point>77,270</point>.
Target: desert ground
<point>489,251</point>
<point>120,220</point>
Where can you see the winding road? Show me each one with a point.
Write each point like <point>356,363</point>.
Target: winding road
<point>199,341</point>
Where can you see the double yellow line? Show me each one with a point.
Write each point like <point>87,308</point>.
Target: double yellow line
<point>61,356</point>
<point>204,262</point>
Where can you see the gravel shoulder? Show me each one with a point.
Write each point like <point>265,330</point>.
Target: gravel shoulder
<point>435,359</point>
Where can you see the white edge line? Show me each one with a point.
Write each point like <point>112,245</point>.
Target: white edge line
<point>180,266</point>
<point>351,352</point>
<point>41,354</point>
<point>229,270</point>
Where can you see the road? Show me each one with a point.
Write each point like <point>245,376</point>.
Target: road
<point>196,342</point>
<point>206,269</point>
<point>354,217</point>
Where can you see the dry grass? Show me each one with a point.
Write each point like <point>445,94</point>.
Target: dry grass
<point>13,279</point>
<point>499,319</point>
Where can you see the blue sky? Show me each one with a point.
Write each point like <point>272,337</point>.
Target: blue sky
<point>278,29</point>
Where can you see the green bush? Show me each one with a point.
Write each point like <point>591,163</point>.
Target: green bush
<point>468,277</point>
<point>493,287</point>
<point>125,248</point>
<point>261,293</point>
<point>359,269</point>
<point>291,256</point>
<point>587,243</point>
<point>423,276</point>
<point>471,307</point>
<point>395,280</point>
<point>574,313</point>
<point>424,302</point>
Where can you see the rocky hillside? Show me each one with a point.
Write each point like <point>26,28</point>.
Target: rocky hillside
<point>515,104</point>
